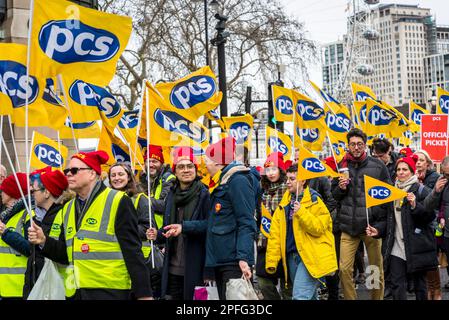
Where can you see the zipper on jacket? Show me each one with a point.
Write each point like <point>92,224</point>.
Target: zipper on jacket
<point>354,199</point>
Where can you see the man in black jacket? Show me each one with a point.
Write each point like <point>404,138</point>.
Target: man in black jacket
<point>110,280</point>
<point>383,150</point>
<point>350,192</point>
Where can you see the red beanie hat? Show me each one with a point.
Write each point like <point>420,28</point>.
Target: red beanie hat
<point>330,161</point>
<point>154,152</point>
<point>275,159</point>
<point>406,152</point>
<point>9,185</point>
<point>183,153</point>
<point>54,181</point>
<point>222,152</point>
<point>410,161</point>
<point>93,159</point>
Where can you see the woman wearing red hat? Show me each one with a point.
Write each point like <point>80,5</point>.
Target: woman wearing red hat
<point>47,188</point>
<point>274,186</point>
<point>13,218</point>
<point>409,239</point>
<point>184,231</point>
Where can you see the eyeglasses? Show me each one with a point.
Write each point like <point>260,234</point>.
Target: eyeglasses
<point>358,144</point>
<point>32,191</point>
<point>182,167</point>
<point>74,170</point>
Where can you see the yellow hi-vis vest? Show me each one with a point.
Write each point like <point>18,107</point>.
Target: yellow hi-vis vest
<point>66,271</point>
<point>157,194</point>
<point>146,245</point>
<point>94,250</point>
<point>12,264</point>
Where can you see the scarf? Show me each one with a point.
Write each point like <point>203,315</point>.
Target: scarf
<point>214,181</point>
<point>273,195</point>
<point>185,199</point>
<point>349,157</point>
<point>404,186</point>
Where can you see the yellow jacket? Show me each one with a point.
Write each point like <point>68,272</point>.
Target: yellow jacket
<point>312,229</point>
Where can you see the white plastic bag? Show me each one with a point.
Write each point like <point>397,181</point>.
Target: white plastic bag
<point>240,289</point>
<point>49,285</point>
<point>208,292</point>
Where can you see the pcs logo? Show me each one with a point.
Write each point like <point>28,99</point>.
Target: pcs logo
<point>444,103</point>
<point>308,135</point>
<point>379,117</point>
<point>13,83</point>
<point>129,120</point>
<point>338,123</point>
<point>87,94</point>
<point>65,45</point>
<point>285,105</point>
<point>276,145</point>
<point>48,155</point>
<point>240,131</point>
<point>309,111</point>
<point>379,193</point>
<point>266,224</point>
<point>362,96</point>
<point>313,165</point>
<point>189,93</point>
<point>173,122</point>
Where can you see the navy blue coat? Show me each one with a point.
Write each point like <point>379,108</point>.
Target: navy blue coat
<point>231,227</point>
<point>194,233</point>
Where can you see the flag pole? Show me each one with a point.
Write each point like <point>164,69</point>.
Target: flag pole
<point>332,150</point>
<point>1,133</point>
<point>14,143</point>
<point>367,215</point>
<point>59,149</point>
<point>67,106</point>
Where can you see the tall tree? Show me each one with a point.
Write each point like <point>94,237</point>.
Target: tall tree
<point>169,42</point>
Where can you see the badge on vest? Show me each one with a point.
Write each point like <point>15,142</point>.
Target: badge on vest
<point>85,248</point>
<point>217,207</point>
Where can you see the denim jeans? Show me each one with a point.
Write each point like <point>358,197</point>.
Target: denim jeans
<point>304,285</point>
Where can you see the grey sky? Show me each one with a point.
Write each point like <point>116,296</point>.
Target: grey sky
<point>326,20</point>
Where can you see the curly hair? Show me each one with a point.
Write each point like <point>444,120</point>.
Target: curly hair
<point>131,188</point>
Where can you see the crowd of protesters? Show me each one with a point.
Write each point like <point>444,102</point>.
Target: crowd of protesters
<point>164,232</point>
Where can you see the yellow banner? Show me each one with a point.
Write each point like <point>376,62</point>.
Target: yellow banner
<point>442,101</point>
<point>415,113</point>
<point>332,103</point>
<point>85,130</point>
<point>308,114</point>
<point>283,103</point>
<point>265,221</point>
<point>379,119</point>
<point>338,147</point>
<point>194,95</point>
<point>311,139</point>
<point>277,141</point>
<point>240,128</point>
<point>46,152</point>
<point>309,166</point>
<point>213,115</point>
<point>378,192</point>
<point>167,126</point>
<point>361,92</point>
<point>76,41</point>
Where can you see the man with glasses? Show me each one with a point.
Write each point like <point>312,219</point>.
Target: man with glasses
<point>101,240</point>
<point>349,191</point>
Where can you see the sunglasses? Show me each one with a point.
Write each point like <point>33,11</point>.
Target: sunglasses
<point>74,170</point>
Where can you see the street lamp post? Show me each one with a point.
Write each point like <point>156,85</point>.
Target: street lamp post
<point>219,41</point>
<point>256,126</point>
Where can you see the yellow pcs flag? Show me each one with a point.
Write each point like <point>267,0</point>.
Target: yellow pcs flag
<point>442,101</point>
<point>283,103</point>
<point>309,166</point>
<point>84,130</point>
<point>240,128</point>
<point>265,221</point>
<point>46,152</point>
<point>416,111</point>
<point>74,40</point>
<point>308,114</point>
<point>193,95</point>
<point>277,141</point>
<point>378,192</point>
<point>361,92</point>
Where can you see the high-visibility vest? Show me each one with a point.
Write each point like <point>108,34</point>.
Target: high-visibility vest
<point>66,271</point>
<point>146,245</point>
<point>159,217</point>
<point>94,250</point>
<point>13,265</point>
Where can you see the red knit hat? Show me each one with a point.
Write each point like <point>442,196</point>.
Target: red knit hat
<point>330,161</point>
<point>410,161</point>
<point>155,152</point>
<point>406,152</point>
<point>183,153</point>
<point>54,181</point>
<point>275,159</point>
<point>9,185</point>
<point>222,152</point>
<point>93,159</point>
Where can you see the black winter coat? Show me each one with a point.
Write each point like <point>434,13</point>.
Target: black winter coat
<point>431,179</point>
<point>194,233</point>
<point>352,214</point>
<point>419,239</point>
